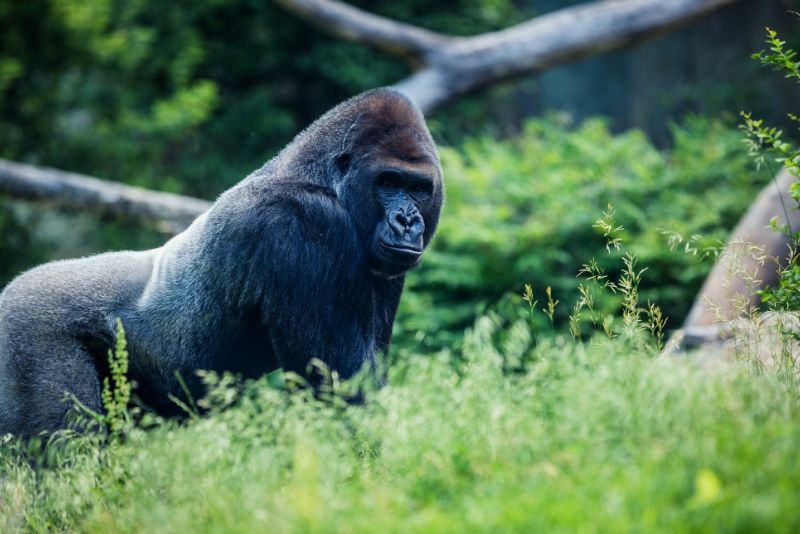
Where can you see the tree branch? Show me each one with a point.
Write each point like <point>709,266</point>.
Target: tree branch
<point>354,24</point>
<point>452,66</point>
<point>78,192</point>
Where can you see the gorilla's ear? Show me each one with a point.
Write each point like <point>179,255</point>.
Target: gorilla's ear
<point>343,162</point>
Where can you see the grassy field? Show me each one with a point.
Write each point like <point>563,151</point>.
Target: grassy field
<point>594,437</point>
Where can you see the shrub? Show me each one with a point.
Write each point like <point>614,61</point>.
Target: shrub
<point>521,211</point>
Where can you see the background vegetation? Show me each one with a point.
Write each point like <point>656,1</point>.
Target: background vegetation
<point>522,211</point>
<point>494,417</point>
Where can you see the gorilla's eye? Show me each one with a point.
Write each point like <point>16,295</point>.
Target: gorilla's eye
<point>422,188</point>
<point>389,179</point>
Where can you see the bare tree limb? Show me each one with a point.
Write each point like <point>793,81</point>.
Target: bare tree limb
<point>79,192</point>
<point>354,24</point>
<point>447,67</point>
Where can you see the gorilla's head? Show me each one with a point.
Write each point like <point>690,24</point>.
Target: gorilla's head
<point>391,181</point>
<point>375,152</point>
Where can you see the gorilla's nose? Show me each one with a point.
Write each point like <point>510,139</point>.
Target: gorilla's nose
<point>406,225</point>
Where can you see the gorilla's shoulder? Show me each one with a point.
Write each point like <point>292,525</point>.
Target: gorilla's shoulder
<point>282,207</point>
<point>311,204</point>
<point>266,195</point>
<point>105,265</point>
<point>311,190</point>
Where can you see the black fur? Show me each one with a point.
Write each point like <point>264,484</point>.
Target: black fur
<point>305,258</point>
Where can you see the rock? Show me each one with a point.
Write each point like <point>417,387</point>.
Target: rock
<point>769,339</point>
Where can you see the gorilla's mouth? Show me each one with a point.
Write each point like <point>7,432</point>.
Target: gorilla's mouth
<point>393,259</point>
<point>401,253</point>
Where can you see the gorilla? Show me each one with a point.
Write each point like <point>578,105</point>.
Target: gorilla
<point>305,258</point>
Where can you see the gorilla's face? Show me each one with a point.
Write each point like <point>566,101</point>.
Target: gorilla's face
<point>391,182</point>
<point>395,202</point>
<point>405,197</point>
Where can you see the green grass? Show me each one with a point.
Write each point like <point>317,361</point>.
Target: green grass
<point>597,437</point>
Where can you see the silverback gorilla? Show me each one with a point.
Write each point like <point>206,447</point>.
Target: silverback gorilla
<point>305,258</point>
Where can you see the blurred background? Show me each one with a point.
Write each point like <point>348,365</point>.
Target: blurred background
<point>189,97</point>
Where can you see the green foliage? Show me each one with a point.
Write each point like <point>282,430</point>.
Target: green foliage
<point>766,141</point>
<point>16,238</point>
<point>116,391</point>
<point>635,320</point>
<point>513,438</point>
<point>787,295</point>
<point>779,57</point>
<point>522,210</point>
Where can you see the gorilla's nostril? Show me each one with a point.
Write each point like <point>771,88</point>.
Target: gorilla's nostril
<point>404,222</point>
<point>413,221</point>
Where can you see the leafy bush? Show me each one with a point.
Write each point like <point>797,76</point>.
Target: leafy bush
<point>522,211</point>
